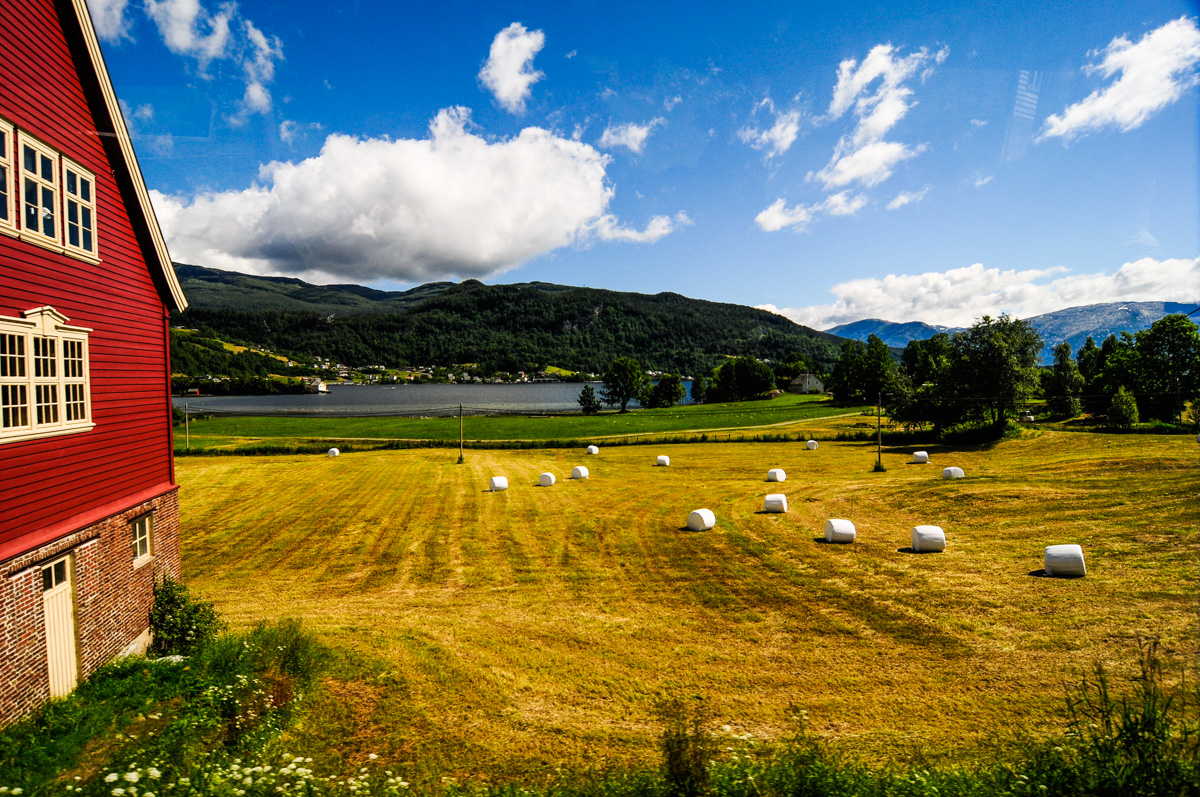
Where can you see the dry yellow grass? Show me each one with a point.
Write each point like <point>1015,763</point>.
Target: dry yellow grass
<point>518,629</point>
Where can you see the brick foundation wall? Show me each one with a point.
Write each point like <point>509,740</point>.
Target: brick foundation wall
<point>112,599</point>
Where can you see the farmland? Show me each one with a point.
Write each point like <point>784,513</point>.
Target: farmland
<point>505,633</point>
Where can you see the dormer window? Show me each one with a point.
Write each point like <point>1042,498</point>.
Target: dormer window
<point>44,385</point>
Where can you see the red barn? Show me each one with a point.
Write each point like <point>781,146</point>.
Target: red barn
<point>88,509</point>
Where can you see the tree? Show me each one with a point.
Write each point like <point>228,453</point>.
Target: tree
<point>668,391</point>
<point>926,360</point>
<point>588,403</point>
<point>1064,383</point>
<point>846,381</point>
<point>879,369</point>
<point>993,366</point>
<point>623,381</point>
<point>1123,412</point>
<point>1090,359</point>
<point>1167,370</point>
<point>741,378</point>
<point>699,389</point>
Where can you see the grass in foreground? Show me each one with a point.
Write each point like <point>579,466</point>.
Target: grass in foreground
<point>781,413</point>
<point>508,633</point>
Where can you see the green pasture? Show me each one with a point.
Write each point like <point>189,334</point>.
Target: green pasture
<point>502,634</point>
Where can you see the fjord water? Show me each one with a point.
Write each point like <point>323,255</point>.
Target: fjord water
<point>429,400</point>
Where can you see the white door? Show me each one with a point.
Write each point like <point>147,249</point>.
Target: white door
<point>58,600</point>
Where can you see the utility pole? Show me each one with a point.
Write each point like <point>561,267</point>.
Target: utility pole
<point>460,435</point>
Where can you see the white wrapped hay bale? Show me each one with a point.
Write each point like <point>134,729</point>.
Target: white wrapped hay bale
<point>593,450</point>
<point>839,530</point>
<point>333,452</point>
<point>776,502</point>
<point>499,483</point>
<point>663,461</point>
<point>579,472</point>
<point>920,457</point>
<point>811,445</point>
<point>776,475</point>
<point>1065,560</point>
<point>953,473</point>
<point>701,520</point>
<point>546,480</point>
<point>926,539</point>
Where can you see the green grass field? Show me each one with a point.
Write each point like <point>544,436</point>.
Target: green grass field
<point>504,633</point>
<point>782,413</point>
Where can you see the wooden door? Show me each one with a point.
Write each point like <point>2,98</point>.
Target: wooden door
<point>58,599</point>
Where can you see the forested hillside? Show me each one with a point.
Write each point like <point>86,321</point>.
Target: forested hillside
<point>516,327</point>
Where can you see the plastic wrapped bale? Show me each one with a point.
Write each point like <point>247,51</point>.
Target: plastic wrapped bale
<point>593,450</point>
<point>499,483</point>
<point>546,480</point>
<point>333,452</point>
<point>953,473</point>
<point>920,457</point>
<point>701,520</point>
<point>776,502</point>
<point>928,539</point>
<point>811,445</point>
<point>579,472</point>
<point>839,530</point>
<point>663,461</point>
<point>776,475</point>
<point>1065,560</point>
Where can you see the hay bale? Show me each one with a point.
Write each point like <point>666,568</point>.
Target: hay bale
<point>776,475</point>
<point>333,452</point>
<point>1065,560</point>
<point>701,520</point>
<point>499,483</point>
<point>579,472</point>
<point>920,457</point>
<point>811,445</point>
<point>838,530</point>
<point>926,539</point>
<point>593,450</point>
<point>546,480</point>
<point>953,473</point>
<point>776,502</point>
<point>663,461</point>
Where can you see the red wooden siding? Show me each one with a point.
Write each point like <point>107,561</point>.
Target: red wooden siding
<point>43,482</point>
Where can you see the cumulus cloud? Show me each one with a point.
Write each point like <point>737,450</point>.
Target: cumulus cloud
<point>908,198</point>
<point>108,17</point>
<point>779,215</point>
<point>508,72</point>
<point>190,29</point>
<point>779,137</point>
<point>1154,73</point>
<point>450,205</point>
<point>632,136</point>
<point>877,93</point>
<point>959,296</point>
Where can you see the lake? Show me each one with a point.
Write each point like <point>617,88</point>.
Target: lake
<point>437,399</point>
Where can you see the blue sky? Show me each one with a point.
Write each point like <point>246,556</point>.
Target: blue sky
<point>830,161</point>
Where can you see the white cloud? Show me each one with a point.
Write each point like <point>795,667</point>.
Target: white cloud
<point>981,181</point>
<point>907,198</point>
<point>108,16</point>
<point>632,136</point>
<point>779,137</point>
<point>450,205</point>
<point>189,29</point>
<point>1143,238</point>
<point>508,71</point>
<point>572,54</point>
<point>979,123</point>
<point>862,155</point>
<point>959,296</point>
<point>779,215</point>
<point>670,102</point>
<point>1154,73</point>
<point>290,131</point>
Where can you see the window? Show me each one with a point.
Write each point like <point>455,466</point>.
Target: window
<point>54,575</point>
<point>43,376</point>
<point>46,198</point>
<point>80,201</point>
<point>141,539</point>
<point>7,215</point>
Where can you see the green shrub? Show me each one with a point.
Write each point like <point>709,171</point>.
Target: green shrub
<point>180,625</point>
<point>687,746</point>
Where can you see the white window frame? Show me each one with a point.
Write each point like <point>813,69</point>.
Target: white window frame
<point>41,184</point>
<point>83,206</point>
<point>8,180</point>
<point>142,530</point>
<point>48,324</point>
